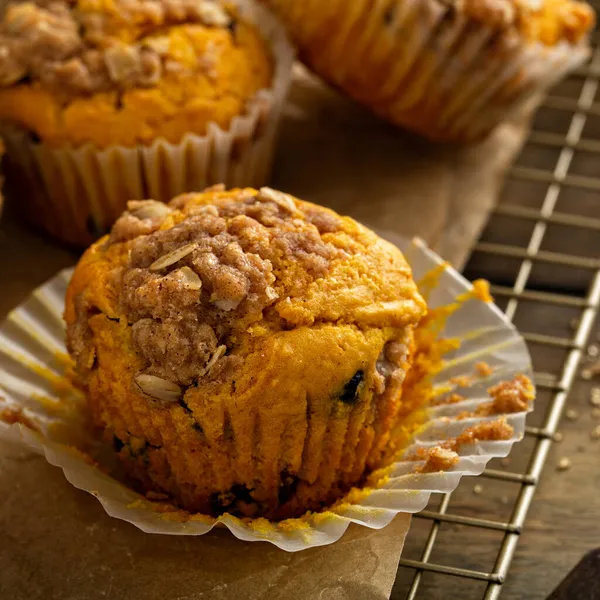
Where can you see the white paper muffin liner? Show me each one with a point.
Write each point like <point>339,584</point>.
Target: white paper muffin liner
<point>424,64</point>
<point>32,339</point>
<point>75,194</point>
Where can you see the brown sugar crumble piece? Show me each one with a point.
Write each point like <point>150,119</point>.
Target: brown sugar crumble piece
<point>453,398</point>
<point>439,459</point>
<point>462,381</point>
<point>509,397</point>
<point>85,50</point>
<point>12,415</point>
<point>490,431</point>
<point>483,369</point>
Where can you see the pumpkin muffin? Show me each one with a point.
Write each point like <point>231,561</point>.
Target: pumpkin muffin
<point>243,350</point>
<point>108,100</point>
<point>450,71</point>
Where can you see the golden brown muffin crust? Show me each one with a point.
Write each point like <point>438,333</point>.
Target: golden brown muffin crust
<point>195,276</point>
<point>245,349</point>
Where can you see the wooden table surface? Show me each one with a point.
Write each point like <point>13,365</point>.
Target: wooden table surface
<point>562,524</point>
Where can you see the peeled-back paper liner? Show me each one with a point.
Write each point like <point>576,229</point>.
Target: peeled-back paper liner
<point>31,342</point>
<point>448,76</point>
<point>77,193</point>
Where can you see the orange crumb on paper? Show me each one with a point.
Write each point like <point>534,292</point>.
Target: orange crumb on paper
<point>15,414</point>
<point>483,369</point>
<point>489,431</point>
<point>431,280</point>
<point>462,381</point>
<point>439,459</point>
<point>453,398</point>
<point>481,291</point>
<point>512,396</point>
<point>293,525</point>
<point>509,397</point>
<point>262,526</point>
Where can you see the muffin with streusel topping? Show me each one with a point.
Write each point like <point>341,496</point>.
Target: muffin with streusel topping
<point>243,350</point>
<point>105,101</point>
<point>448,70</point>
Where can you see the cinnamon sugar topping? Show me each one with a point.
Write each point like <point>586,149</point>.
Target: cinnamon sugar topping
<point>83,46</point>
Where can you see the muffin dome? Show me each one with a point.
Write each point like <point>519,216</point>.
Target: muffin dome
<point>125,72</point>
<point>243,350</point>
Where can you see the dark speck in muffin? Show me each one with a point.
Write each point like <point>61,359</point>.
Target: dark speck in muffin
<point>350,393</point>
<point>389,14</point>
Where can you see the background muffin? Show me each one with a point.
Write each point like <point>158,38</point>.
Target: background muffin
<point>244,351</point>
<point>448,70</point>
<point>131,98</point>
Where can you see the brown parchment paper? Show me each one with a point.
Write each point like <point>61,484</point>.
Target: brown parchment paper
<point>336,153</point>
<point>57,543</point>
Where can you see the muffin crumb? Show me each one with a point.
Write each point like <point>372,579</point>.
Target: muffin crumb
<point>439,459</point>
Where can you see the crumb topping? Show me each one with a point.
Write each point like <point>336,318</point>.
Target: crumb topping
<point>510,396</point>
<point>483,369</point>
<point>202,274</point>
<point>487,431</point>
<point>439,459</point>
<point>90,46</point>
<point>186,288</point>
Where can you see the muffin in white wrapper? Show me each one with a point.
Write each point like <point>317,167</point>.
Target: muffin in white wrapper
<point>450,71</point>
<point>40,409</point>
<point>76,192</point>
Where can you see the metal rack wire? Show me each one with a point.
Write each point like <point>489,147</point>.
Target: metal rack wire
<point>528,269</point>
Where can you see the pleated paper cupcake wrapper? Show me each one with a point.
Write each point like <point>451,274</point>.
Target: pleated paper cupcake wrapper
<point>31,341</point>
<point>425,65</point>
<point>76,194</point>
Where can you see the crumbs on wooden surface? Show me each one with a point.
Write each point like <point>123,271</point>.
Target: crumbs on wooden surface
<point>564,464</point>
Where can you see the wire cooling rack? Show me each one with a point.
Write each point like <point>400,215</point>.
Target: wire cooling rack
<point>540,251</point>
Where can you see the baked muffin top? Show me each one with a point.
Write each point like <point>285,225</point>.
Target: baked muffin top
<point>546,21</point>
<point>125,71</point>
<point>88,46</point>
<point>214,272</point>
